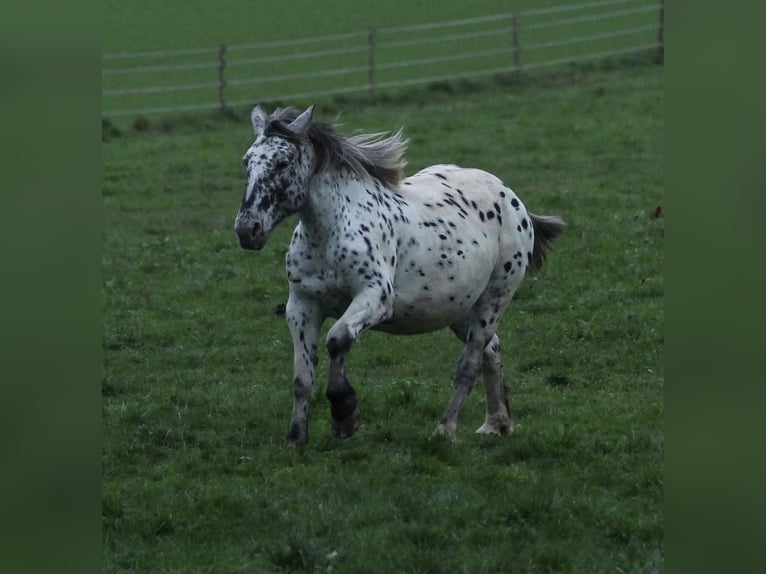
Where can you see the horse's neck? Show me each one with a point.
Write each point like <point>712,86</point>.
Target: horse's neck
<point>329,197</point>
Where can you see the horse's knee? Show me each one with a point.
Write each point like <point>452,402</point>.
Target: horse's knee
<point>302,390</point>
<point>339,340</point>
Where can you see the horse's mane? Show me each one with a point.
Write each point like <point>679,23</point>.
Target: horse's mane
<point>379,155</point>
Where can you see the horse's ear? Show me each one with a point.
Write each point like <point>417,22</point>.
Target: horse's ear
<point>259,119</point>
<point>300,125</point>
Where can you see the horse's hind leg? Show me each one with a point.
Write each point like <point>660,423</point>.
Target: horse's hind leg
<point>498,419</point>
<point>465,376</point>
<point>481,352</point>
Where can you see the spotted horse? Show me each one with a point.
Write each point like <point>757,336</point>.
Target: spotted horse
<point>445,247</point>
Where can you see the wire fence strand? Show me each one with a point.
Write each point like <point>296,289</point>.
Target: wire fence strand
<point>377,59</point>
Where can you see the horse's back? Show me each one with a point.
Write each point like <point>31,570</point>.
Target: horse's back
<point>474,201</point>
<point>471,181</point>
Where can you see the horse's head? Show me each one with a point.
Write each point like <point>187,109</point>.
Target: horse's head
<point>278,164</point>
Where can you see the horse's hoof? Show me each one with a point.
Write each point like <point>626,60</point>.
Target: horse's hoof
<point>499,426</point>
<point>446,432</point>
<point>345,428</point>
<point>294,444</point>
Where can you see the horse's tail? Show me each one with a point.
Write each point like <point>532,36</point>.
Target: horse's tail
<point>547,228</point>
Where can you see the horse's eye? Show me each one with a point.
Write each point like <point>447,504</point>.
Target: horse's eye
<point>281,164</point>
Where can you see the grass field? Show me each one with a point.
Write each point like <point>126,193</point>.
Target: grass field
<point>197,364</point>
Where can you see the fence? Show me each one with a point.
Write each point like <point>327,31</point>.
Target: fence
<point>377,59</point>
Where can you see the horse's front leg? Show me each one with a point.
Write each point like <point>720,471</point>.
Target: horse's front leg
<point>304,320</point>
<point>366,310</point>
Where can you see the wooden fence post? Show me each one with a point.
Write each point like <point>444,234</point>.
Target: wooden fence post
<point>371,63</point>
<point>516,43</point>
<point>221,79</point>
<point>661,35</point>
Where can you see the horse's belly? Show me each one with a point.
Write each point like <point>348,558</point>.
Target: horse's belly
<point>413,324</point>
<point>430,307</point>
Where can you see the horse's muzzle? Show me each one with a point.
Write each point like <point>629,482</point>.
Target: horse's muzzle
<point>251,236</point>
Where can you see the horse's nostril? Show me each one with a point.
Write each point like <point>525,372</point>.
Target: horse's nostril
<point>256,228</point>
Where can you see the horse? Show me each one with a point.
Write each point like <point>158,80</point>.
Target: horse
<point>445,247</point>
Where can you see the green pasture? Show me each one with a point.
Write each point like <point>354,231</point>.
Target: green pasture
<point>197,359</point>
